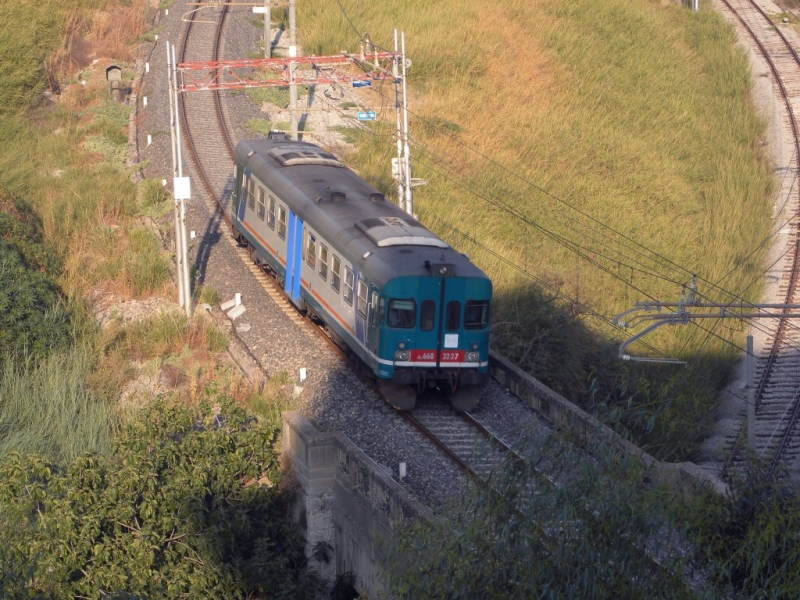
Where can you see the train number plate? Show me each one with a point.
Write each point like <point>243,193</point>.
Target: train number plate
<point>448,356</point>
<point>423,355</point>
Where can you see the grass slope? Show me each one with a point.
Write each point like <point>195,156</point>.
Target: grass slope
<point>607,148</point>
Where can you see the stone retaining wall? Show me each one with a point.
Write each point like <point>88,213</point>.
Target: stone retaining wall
<point>569,418</point>
<point>347,505</point>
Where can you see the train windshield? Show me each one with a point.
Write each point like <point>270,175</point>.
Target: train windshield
<point>476,314</point>
<point>402,314</point>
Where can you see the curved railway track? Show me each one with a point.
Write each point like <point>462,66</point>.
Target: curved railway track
<point>778,385</point>
<point>778,395</point>
<point>205,128</point>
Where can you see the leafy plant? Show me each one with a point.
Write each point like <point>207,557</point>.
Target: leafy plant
<point>33,317</point>
<point>747,541</point>
<point>596,533</point>
<point>187,505</point>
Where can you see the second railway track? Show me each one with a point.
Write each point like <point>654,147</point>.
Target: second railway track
<point>778,366</point>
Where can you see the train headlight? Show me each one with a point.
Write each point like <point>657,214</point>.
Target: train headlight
<point>473,356</point>
<point>402,355</point>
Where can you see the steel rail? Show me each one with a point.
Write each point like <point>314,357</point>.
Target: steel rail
<point>793,274</point>
<point>218,109</point>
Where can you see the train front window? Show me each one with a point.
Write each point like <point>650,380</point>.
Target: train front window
<point>323,261</point>
<point>282,222</point>
<point>476,314</point>
<point>261,203</point>
<point>271,213</point>
<point>311,251</point>
<point>427,315</point>
<point>453,319</point>
<point>402,314</point>
<point>336,273</point>
<point>251,194</point>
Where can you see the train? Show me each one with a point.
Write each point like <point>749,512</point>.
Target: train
<point>412,310</point>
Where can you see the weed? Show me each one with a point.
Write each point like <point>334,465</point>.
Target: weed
<point>208,295</point>
<point>351,135</point>
<point>46,408</point>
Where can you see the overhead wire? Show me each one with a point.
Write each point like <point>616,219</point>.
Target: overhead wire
<point>637,248</point>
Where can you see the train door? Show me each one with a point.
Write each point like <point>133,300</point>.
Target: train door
<point>440,310</point>
<point>373,328</point>
<point>450,311</point>
<point>362,308</point>
<point>239,193</point>
<point>294,259</point>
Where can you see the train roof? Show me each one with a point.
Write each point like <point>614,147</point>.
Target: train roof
<point>370,231</point>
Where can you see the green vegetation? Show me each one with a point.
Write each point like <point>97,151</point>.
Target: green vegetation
<point>188,504</point>
<point>604,531</point>
<point>594,535</point>
<point>46,408</point>
<point>34,319</point>
<point>279,96</point>
<point>747,542</point>
<point>106,492</point>
<point>536,122</point>
<point>263,126</point>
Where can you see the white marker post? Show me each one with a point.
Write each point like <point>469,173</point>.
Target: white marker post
<point>264,10</point>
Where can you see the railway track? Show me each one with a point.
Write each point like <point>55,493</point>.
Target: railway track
<point>462,437</point>
<point>206,130</point>
<point>778,385</point>
<point>210,142</point>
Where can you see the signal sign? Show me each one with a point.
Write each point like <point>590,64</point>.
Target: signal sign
<point>367,115</point>
<point>362,83</point>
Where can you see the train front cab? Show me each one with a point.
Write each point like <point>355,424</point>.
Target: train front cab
<point>435,333</point>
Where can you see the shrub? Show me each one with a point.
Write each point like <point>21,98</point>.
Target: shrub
<point>33,317</point>
<point>188,505</point>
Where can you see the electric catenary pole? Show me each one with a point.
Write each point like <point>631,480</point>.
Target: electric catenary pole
<point>181,189</point>
<point>689,309</point>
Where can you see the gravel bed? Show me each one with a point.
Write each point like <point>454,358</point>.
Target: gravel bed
<point>332,397</point>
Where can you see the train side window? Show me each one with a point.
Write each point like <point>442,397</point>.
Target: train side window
<point>311,250</point>
<point>251,194</point>
<point>476,314</point>
<point>271,213</point>
<point>282,222</point>
<point>427,315</point>
<point>349,282</point>
<point>373,307</point>
<point>261,202</point>
<point>402,314</point>
<point>336,273</point>
<point>381,309</point>
<point>323,262</point>
<point>362,298</point>
<point>453,319</point>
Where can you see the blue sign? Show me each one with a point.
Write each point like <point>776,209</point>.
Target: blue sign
<point>367,115</point>
<point>362,83</point>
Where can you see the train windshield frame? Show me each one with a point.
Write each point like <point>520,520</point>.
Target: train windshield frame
<point>402,314</point>
<point>476,314</point>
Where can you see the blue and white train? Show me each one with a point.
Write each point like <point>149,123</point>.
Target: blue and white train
<point>411,308</point>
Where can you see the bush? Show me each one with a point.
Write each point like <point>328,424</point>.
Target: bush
<point>596,534</point>
<point>188,505</point>
<point>747,541</point>
<point>33,318</point>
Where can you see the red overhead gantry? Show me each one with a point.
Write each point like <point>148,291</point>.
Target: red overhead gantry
<point>265,72</point>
